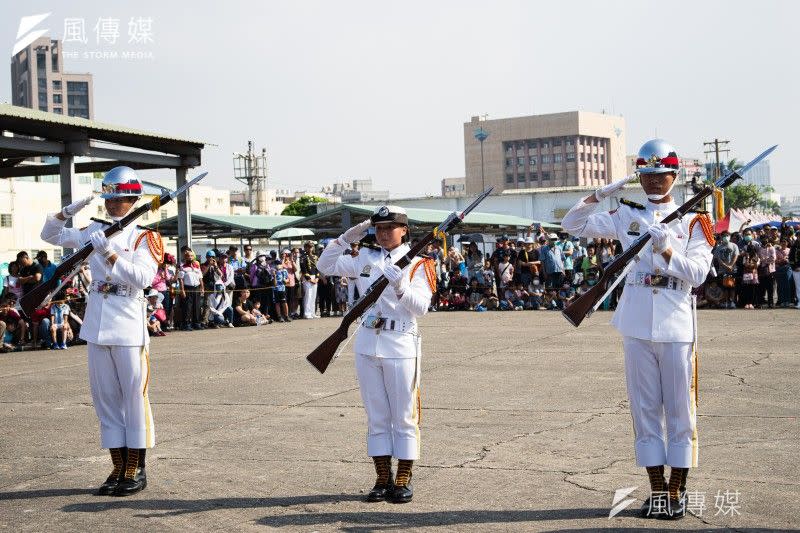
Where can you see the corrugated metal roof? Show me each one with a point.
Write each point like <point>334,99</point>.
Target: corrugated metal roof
<point>13,111</point>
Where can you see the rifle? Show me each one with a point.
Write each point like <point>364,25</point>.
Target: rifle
<point>323,354</point>
<point>41,294</point>
<point>586,304</point>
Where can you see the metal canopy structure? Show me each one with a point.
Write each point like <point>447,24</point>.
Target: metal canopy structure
<point>40,134</point>
<point>221,226</point>
<point>334,221</point>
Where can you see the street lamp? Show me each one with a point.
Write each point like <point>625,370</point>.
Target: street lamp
<point>481,134</point>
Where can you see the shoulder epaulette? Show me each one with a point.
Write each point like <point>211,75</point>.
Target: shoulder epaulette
<point>430,272</point>
<point>631,203</point>
<point>155,245</point>
<point>705,225</point>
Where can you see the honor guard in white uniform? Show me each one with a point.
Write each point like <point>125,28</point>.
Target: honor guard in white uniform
<point>387,344</point>
<point>656,318</point>
<point>115,326</point>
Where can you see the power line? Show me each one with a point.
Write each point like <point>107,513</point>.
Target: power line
<point>716,151</point>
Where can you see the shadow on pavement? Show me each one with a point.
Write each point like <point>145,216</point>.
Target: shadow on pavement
<point>44,493</point>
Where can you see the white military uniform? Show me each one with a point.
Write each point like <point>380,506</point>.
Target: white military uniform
<point>656,319</point>
<point>115,328</point>
<point>387,358</point>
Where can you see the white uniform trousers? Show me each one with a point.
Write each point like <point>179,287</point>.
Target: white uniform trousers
<point>390,392</point>
<point>309,299</point>
<point>661,389</point>
<point>118,377</point>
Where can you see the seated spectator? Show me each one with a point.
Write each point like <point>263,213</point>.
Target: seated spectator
<point>48,267</point>
<point>59,324</point>
<point>550,299</point>
<point>458,301</point>
<point>220,310</point>
<point>11,323</point>
<point>40,328</point>
<point>30,273</point>
<point>489,302</point>
<point>245,311</point>
<point>583,288</point>
<point>536,295</point>
<point>156,315</point>
<point>714,295</point>
<point>261,318</point>
<point>474,294</point>
<point>12,283</point>
<point>565,295</point>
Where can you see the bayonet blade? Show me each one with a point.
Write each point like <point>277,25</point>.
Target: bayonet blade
<point>742,171</point>
<point>174,194</point>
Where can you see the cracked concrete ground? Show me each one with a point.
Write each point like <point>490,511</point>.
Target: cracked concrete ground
<point>525,427</point>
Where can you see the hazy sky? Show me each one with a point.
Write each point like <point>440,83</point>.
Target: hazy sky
<point>356,89</point>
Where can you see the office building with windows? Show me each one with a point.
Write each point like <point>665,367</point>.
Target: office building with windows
<point>569,149</point>
<point>38,81</point>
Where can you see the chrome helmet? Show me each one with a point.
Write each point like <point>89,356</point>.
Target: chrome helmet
<point>120,182</point>
<point>657,157</point>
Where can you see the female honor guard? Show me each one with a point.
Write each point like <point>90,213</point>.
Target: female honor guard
<point>656,319</point>
<point>115,326</point>
<point>387,344</point>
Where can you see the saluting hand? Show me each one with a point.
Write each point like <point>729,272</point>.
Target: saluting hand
<point>356,233</point>
<point>72,209</point>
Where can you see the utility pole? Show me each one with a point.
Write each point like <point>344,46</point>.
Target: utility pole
<point>251,169</point>
<point>716,143</point>
<point>716,151</point>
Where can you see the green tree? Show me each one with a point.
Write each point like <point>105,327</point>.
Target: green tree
<point>750,196</point>
<point>303,206</point>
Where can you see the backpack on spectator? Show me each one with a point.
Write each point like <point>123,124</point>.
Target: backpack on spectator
<point>264,276</point>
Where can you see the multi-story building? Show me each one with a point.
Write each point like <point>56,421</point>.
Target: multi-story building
<point>569,149</point>
<point>354,191</point>
<point>453,187</point>
<point>38,81</point>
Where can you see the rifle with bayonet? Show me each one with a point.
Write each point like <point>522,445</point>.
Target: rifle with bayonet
<point>41,294</point>
<point>588,302</point>
<point>323,354</point>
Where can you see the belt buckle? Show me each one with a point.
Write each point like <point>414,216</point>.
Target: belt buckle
<point>374,322</point>
<point>106,288</point>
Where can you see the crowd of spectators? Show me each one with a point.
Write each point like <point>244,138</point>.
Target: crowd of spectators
<point>539,271</point>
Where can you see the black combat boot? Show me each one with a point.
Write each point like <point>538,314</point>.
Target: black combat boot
<point>118,459</point>
<point>656,504</point>
<point>135,478</point>
<point>403,491</point>
<point>677,493</point>
<point>384,482</point>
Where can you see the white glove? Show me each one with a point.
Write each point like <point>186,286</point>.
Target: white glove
<point>356,233</point>
<point>100,243</point>
<point>659,233</point>
<point>607,190</point>
<point>72,209</point>
<point>395,276</point>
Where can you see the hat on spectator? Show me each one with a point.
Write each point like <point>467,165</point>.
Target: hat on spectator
<point>520,239</point>
<point>528,240</point>
<point>211,253</point>
<point>286,251</point>
<point>552,236</point>
<point>154,293</point>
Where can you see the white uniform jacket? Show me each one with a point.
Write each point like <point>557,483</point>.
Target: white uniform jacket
<point>110,319</point>
<point>367,267</point>
<point>650,312</point>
